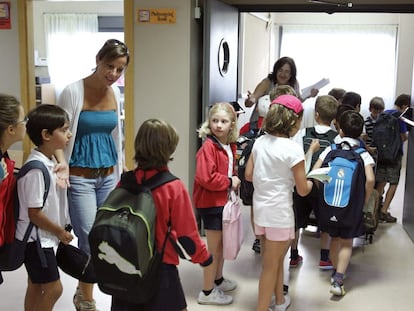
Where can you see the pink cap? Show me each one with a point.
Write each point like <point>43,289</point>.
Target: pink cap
<point>289,101</point>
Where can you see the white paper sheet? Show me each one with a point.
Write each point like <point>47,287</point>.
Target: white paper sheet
<point>306,92</point>
<point>320,174</point>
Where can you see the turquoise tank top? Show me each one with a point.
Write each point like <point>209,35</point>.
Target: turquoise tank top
<point>94,145</point>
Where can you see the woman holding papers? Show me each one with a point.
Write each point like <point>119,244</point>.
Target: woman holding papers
<point>284,73</point>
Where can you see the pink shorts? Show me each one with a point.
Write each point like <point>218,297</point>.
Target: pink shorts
<point>275,234</point>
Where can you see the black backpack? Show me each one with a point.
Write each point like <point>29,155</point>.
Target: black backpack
<point>325,140</point>
<point>122,240</point>
<point>386,138</point>
<point>246,187</point>
<point>342,198</point>
<point>12,254</point>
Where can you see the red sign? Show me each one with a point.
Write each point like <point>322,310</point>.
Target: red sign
<point>5,15</point>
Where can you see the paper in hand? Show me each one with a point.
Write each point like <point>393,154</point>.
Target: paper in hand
<point>306,92</point>
<point>320,174</point>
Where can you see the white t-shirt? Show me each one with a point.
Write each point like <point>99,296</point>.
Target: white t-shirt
<point>366,157</point>
<point>230,155</point>
<point>273,180</point>
<point>30,191</point>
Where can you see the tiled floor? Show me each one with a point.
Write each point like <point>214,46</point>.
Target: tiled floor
<point>380,276</point>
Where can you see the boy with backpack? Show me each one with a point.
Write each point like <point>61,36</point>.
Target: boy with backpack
<point>376,107</point>
<point>341,209</point>
<point>325,112</point>
<point>389,134</point>
<point>48,129</point>
<point>155,143</point>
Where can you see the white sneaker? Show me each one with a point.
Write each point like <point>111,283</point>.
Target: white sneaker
<point>283,306</point>
<point>216,297</point>
<point>227,285</point>
<point>272,302</point>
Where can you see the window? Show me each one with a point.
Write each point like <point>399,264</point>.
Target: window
<point>72,43</point>
<point>358,58</point>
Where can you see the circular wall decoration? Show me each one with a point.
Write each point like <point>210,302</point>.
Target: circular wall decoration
<point>223,57</point>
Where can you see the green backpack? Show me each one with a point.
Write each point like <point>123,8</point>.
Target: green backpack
<point>122,240</point>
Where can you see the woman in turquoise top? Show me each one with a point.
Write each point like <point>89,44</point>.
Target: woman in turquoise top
<point>95,156</point>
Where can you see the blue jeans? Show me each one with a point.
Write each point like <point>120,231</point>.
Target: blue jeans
<point>84,197</point>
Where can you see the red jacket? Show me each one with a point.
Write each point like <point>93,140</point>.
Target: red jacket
<point>172,201</point>
<point>212,182</point>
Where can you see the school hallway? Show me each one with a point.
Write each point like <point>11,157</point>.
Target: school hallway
<point>380,275</point>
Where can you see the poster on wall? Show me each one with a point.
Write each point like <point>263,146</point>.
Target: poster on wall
<point>5,15</point>
<point>156,16</point>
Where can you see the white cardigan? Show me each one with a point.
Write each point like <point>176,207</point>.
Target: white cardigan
<point>71,99</point>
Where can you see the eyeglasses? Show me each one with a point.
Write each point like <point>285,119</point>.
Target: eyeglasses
<point>115,42</point>
<point>24,121</point>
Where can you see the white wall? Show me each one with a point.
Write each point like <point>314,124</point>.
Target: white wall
<point>9,60</point>
<point>167,77</point>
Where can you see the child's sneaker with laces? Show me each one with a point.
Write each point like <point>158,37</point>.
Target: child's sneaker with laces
<point>295,262</point>
<point>87,305</point>
<point>256,246</point>
<point>325,265</point>
<point>227,285</point>
<point>337,289</point>
<point>283,306</point>
<point>216,297</point>
<point>77,298</point>
<point>83,305</point>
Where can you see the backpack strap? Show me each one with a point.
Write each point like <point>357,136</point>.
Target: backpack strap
<point>129,182</point>
<point>357,149</point>
<point>36,164</point>
<point>159,179</point>
<point>28,166</point>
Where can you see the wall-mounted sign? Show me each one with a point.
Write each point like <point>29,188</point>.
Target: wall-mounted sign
<point>156,16</point>
<point>5,22</point>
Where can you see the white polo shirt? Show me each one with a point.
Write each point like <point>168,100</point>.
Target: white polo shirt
<point>30,191</point>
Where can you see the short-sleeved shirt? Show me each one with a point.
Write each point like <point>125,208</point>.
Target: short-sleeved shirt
<point>30,191</point>
<point>365,156</point>
<point>273,180</point>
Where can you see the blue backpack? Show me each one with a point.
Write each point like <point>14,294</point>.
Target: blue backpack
<point>343,196</point>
